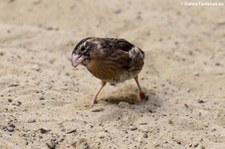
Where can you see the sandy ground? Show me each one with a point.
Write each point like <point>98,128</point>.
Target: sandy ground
<point>45,102</point>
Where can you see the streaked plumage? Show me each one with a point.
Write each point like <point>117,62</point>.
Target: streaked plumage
<point>110,60</point>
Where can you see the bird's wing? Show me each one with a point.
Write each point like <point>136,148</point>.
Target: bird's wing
<point>126,54</point>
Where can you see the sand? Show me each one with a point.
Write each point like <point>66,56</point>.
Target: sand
<point>45,102</point>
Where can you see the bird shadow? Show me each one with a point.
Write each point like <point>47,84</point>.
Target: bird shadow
<point>152,102</point>
<point>130,98</point>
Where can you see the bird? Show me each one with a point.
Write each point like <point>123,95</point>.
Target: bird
<point>112,60</point>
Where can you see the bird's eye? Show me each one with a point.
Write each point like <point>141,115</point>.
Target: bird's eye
<point>82,49</point>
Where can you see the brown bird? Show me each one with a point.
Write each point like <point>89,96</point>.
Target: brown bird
<point>111,60</point>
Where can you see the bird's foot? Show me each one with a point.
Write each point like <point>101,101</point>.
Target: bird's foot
<point>93,101</point>
<point>143,97</point>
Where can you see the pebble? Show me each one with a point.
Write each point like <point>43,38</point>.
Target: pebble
<point>144,128</point>
<point>10,100</point>
<point>36,1</point>
<point>63,129</point>
<point>144,123</point>
<point>71,131</point>
<point>35,68</point>
<point>13,84</point>
<point>123,104</point>
<point>201,146</point>
<point>31,120</point>
<point>170,122</point>
<point>10,129</point>
<point>101,135</point>
<point>61,140</point>
<point>51,145</point>
<point>201,101</point>
<point>43,131</point>
<point>98,110</point>
<point>41,98</point>
<point>1,54</point>
<point>151,111</point>
<point>81,143</point>
<point>196,145</point>
<point>133,128</point>
<point>145,135</point>
<point>18,103</point>
<point>156,145</point>
<point>12,125</point>
<point>218,64</point>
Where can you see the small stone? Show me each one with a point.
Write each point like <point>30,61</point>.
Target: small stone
<point>41,98</point>
<point>186,106</point>
<point>61,140</point>
<point>178,142</point>
<point>98,110</point>
<point>170,122</point>
<point>150,110</point>
<point>145,135</point>
<point>10,100</point>
<point>123,104</point>
<point>18,103</point>
<point>118,11</point>
<point>51,145</point>
<point>81,143</point>
<point>36,1</point>
<point>10,129</point>
<point>156,145</point>
<point>144,128</point>
<point>218,64</point>
<point>133,128</point>
<point>31,120</point>
<point>1,53</point>
<point>14,84</point>
<point>143,123</point>
<point>197,75</point>
<point>71,131</point>
<point>49,28</point>
<point>101,137</point>
<point>36,68</point>
<point>201,101</point>
<point>214,129</point>
<point>12,125</point>
<point>63,129</point>
<point>196,145</point>
<point>43,131</point>
<point>201,146</point>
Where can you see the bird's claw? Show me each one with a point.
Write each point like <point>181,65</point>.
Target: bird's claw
<point>143,97</point>
<point>93,101</point>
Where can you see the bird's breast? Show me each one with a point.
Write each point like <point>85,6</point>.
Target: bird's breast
<point>108,71</point>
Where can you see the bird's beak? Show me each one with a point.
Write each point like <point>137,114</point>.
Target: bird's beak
<point>77,59</point>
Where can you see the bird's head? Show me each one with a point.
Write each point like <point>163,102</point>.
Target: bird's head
<point>82,52</point>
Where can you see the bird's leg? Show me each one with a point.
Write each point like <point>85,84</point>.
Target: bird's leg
<point>142,94</point>
<point>94,100</point>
